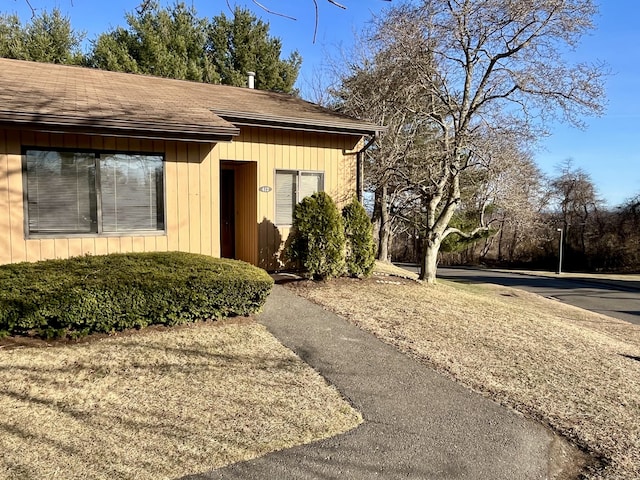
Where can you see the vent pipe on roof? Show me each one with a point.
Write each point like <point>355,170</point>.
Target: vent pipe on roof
<point>252,79</point>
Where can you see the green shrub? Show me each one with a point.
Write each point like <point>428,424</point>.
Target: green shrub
<point>360,252</point>
<point>83,295</point>
<point>318,243</point>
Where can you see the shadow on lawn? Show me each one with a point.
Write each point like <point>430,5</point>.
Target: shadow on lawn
<point>72,405</point>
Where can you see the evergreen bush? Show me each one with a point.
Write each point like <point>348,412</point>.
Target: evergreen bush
<point>82,295</point>
<point>318,242</point>
<point>360,248</point>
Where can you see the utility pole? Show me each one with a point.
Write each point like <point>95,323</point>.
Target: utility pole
<point>560,248</point>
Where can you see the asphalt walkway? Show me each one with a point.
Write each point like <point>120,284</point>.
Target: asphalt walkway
<point>418,424</point>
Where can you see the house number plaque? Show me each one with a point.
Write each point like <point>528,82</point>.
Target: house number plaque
<point>265,189</point>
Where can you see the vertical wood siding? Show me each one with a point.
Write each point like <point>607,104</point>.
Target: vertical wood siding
<point>246,213</point>
<point>192,175</point>
<point>291,150</point>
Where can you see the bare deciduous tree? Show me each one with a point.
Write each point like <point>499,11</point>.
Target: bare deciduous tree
<point>516,196</point>
<point>485,70</point>
<point>373,87</point>
<point>578,204</point>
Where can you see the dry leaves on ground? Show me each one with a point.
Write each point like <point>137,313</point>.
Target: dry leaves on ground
<point>574,370</point>
<point>159,404</point>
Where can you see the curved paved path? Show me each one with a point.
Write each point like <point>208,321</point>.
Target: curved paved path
<point>418,424</point>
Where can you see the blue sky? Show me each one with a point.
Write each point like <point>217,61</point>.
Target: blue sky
<point>606,149</point>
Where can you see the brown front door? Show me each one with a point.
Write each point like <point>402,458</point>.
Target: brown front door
<point>227,213</point>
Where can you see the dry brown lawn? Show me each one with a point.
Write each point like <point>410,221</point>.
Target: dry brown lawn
<point>576,371</point>
<point>159,404</point>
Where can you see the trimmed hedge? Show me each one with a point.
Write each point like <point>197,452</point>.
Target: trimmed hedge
<point>83,295</point>
<point>318,242</point>
<point>361,249</point>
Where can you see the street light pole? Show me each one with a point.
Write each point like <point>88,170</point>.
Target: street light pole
<point>560,247</point>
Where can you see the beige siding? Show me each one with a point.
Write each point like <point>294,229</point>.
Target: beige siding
<point>206,206</point>
<point>246,207</point>
<point>290,150</point>
<point>15,211</point>
<point>171,195</point>
<point>192,199</point>
<point>5,224</point>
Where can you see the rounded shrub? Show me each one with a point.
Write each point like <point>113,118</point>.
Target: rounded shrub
<point>360,248</point>
<point>82,295</point>
<point>318,242</point>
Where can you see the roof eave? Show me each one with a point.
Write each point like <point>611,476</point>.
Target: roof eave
<point>118,128</point>
<point>342,127</point>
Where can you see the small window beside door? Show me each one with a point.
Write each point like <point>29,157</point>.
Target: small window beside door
<point>291,187</point>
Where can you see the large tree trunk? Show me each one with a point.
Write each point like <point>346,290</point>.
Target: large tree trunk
<point>375,222</point>
<point>512,246</point>
<point>439,215</point>
<point>488,244</point>
<point>500,257</point>
<point>384,235</point>
<point>429,263</point>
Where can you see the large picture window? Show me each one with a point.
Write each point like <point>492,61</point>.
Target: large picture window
<point>291,187</point>
<point>85,193</point>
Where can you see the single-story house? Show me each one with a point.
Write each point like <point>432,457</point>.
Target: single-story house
<point>96,162</point>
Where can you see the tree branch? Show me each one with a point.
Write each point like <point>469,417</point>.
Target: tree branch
<point>332,2</point>
<point>466,235</point>
<point>33,10</point>
<point>271,12</point>
<point>315,4</point>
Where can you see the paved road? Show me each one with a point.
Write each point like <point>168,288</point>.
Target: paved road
<point>614,300</point>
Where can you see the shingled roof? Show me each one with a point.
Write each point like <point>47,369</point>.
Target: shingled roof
<point>60,98</point>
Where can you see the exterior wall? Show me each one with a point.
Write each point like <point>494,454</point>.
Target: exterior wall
<point>290,150</point>
<point>192,175</point>
<point>192,216</point>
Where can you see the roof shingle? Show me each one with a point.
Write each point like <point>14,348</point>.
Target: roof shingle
<point>67,98</point>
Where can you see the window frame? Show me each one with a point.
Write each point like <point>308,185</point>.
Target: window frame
<point>298,173</point>
<point>97,154</point>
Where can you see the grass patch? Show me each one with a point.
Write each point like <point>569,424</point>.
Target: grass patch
<point>159,404</point>
<point>574,370</point>
<point>385,268</point>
